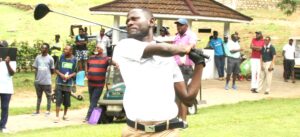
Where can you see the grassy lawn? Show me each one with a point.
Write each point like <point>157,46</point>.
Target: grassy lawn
<point>264,118</point>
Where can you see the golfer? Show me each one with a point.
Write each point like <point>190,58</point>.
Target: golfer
<point>152,79</point>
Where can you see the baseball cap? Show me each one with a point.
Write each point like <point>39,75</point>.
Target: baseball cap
<point>181,21</point>
<point>258,32</point>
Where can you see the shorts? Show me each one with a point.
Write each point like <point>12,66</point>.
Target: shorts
<point>62,96</point>
<point>81,54</point>
<point>233,65</point>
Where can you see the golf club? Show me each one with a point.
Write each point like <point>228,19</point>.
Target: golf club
<point>41,10</point>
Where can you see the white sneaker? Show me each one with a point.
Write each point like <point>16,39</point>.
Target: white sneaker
<point>5,130</point>
<point>56,120</point>
<point>47,113</point>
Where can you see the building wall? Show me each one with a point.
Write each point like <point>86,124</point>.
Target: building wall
<point>250,4</point>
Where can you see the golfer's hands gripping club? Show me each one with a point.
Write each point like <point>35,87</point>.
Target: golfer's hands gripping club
<point>197,56</point>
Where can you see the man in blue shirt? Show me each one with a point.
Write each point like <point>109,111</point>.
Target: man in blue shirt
<point>217,44</point>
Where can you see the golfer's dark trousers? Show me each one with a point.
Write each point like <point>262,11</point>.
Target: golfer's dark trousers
<point>39,93</point>
<point>4,99</point>
<point>220,63</point>
<point>94,94</point>
<point>288,68</point>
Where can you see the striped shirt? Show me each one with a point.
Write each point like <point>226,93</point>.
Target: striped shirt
<point>96,68</point>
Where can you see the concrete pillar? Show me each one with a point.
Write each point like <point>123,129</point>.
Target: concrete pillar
<point>190,24</point>
<point>115,35</point>
<point>227,29</point>
<point>158,26</point>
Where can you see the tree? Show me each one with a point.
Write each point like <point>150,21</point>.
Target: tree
<point>288,6</point>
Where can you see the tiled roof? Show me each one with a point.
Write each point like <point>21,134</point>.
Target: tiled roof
<point>198,9</point>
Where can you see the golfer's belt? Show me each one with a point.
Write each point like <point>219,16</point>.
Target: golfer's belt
<point>170,124</point>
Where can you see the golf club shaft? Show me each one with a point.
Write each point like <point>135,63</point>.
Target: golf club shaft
<point>88,21</point>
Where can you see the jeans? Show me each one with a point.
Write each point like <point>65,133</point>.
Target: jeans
<point>220,63</point>
<point>5,99</point>
<point>94,95</point>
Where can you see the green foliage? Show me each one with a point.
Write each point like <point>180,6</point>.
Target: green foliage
<point>288,6</point>
<point>26,54</point>
<point>91,47</point>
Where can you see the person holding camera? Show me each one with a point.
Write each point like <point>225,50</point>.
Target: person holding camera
<point>267,60</point>
<point>153,79</point>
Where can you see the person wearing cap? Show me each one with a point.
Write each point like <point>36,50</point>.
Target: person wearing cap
<point>164,36</point>
<point>184,36</point>
<point>288,53</point>
<point>217,44</point>
<point>256,46</point>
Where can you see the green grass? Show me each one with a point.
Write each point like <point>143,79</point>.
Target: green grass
<point>264,118</point>
<point>20,25</point>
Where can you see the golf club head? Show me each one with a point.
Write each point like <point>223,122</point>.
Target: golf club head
<point>40,11</point>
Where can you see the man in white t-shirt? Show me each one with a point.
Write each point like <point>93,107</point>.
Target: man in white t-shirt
<point>7,70</point>
<point>288,52</point>
<point>152,79</point>
<point>103,41</point>
<point>233,61</point>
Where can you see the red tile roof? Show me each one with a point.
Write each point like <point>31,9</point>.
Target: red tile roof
<point>190,9</point>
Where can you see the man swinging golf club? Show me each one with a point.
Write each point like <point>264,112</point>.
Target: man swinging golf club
<point>152,79</point>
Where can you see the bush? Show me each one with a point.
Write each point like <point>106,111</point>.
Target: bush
<point>26,54</point>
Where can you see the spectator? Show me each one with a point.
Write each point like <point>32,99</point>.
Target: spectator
<point>256,46</point>
<point>164,36</point>
<point>104,42</point>
<point>151,109</point>
<point>288,53</point>
<point>81,48</point>
<point>184,36</point>
<point>44,67</point>
<point>209,40</point>
<point>267,61</point>
<point>56,49</point>
<point>233,61</point>
<point>96,71</point>
<point>7,70</point>
<point>217,44</point>
<point>65,69</point>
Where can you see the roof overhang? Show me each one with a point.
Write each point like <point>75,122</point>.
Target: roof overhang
<point>174,17</point>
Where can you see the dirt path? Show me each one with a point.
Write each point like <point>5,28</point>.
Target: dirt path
<point>213,93</point>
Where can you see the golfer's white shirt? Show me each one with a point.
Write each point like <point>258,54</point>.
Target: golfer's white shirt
<point>150,94</point>
<point>289,51</point>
